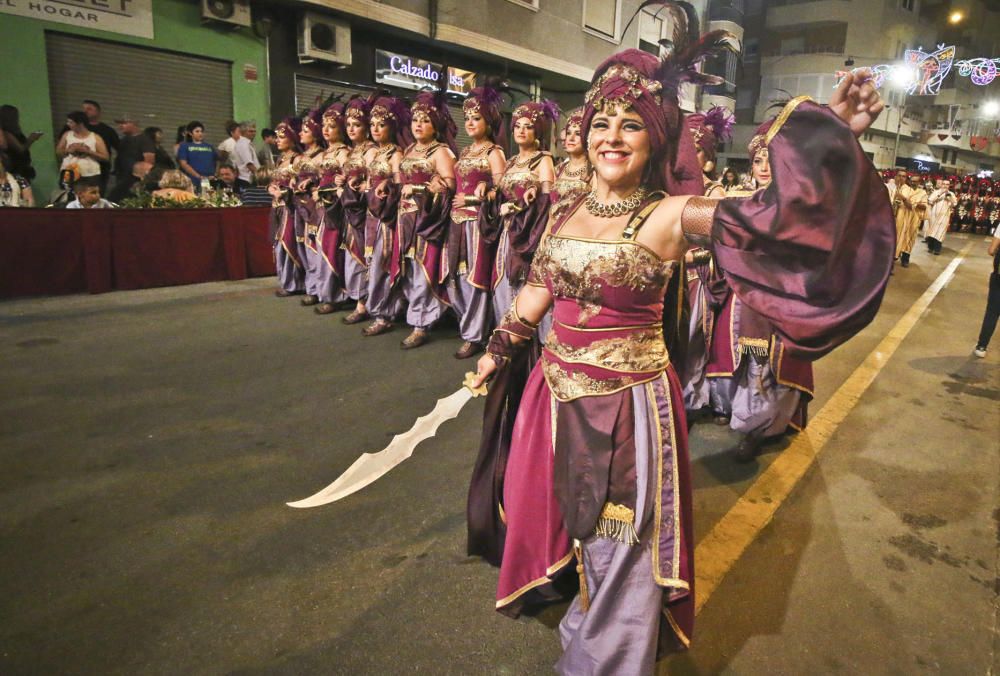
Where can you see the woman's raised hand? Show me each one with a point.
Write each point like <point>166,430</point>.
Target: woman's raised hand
<point>856,101</point>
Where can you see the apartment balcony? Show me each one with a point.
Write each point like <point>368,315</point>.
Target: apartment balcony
<point>808,11</point>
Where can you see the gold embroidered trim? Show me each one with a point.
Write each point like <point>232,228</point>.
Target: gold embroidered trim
<point>783,116</point>
<point>569,385</point>
<point>639,352</point>
<point>617,522</point>
<point>551,570</point>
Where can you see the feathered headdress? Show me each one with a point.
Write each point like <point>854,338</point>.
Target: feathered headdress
<point>710,128</point>
<point>334,113</point>
<point>392,111</point>
<point>759,140</point>
<point>313,122</point>
<point>488,102</point>
<point>358,107</point>
<point>434,104</point>
<point>575,118</point>
<point>289,129</point>
<point>650,86</point>
<point>544,115</point>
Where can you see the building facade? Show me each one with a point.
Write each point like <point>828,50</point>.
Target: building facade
<point>158,60</point>
<point>544,48</point>
<point>795,47</point>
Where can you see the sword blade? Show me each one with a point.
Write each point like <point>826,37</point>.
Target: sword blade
<point>372,466</point>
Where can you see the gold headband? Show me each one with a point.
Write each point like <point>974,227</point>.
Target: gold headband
<point>639,85</point>
<point>381,114</point>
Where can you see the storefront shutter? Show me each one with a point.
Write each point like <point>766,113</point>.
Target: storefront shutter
<point>161,89</point>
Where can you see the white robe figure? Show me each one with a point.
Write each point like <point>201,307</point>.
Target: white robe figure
<point>941,201</point>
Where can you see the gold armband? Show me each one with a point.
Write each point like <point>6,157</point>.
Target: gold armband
<point>696,219</point>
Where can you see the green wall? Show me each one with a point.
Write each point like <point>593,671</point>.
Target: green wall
<point>24,81</point>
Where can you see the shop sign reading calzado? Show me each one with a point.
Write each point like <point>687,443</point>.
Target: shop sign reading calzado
<point>409,73</point>
<point>129,17</point>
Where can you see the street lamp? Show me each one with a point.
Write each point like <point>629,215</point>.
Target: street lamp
<point>956,17</point>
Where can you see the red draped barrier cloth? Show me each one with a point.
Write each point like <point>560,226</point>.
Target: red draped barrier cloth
<point>59,251</point>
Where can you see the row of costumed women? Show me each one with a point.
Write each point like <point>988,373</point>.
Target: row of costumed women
<point>375,209</point>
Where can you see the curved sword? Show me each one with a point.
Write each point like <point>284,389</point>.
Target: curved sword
<point>372,466</point>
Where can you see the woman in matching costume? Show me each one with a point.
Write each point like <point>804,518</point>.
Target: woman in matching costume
<point>328,255</point>
<point>706,290</point>
<point>762,388</point>
<point>426,186</point>
<point>574,172</point>
<point>390,130</point>
<point>467,260</point>
<point>350,183</point>
<point>598,471</point>
<point>517,211</point>
<point>288,264</point>
<point>307,211</point>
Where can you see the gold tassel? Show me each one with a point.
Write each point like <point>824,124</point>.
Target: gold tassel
<point>616,523</point>
<point>584,592</point>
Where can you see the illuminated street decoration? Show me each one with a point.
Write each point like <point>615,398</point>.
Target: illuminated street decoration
<point>980,71</point>
<point>921,73</point>
<point>932,69</point>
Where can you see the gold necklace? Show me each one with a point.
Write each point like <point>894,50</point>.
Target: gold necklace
<point>575,173</point>
<point>518,162</point>
<point>614,209</point>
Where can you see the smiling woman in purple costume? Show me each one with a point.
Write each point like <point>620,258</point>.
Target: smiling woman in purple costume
<point>598,470</point>
<point>466,263</point>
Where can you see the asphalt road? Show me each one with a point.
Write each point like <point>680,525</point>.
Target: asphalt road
<point>151,439</point>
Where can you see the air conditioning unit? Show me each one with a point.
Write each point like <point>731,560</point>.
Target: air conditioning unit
<point>235,13</point>
<point>324,39</point>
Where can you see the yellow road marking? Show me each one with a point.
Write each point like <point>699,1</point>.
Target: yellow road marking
<point>716,554</point>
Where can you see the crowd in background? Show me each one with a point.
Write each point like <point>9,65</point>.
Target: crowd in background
<point>100,167</point>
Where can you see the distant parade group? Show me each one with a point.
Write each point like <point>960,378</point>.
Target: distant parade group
<point>619,296</point>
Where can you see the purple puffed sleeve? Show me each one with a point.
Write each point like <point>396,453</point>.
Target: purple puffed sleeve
<point>812,253</point>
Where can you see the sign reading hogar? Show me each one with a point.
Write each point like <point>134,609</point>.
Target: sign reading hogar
<point>407,72</point>
<point>129,17</point>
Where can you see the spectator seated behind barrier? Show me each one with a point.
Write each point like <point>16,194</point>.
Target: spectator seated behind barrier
<point>88,194</point>
<point>15,190</point>
<point>226,180</point>
<point>175,186</point>
<point>257,194</point>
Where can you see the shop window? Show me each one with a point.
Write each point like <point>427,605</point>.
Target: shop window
<point>601,17</point>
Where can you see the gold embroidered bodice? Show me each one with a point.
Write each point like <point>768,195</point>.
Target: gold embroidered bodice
<point>607,314</point>
<point>380,168</point>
